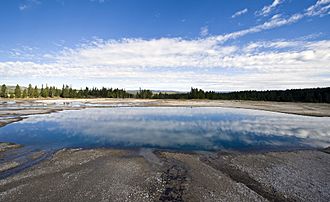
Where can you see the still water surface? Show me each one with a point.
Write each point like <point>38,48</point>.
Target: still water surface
<point>180,128</point>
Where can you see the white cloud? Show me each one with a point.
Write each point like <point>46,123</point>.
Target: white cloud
<point>179,64</point>
<point>175,63</point>
<point>274,22</point>
<point>239,13</point>
<point>266,10</point>
<point>321,8</point>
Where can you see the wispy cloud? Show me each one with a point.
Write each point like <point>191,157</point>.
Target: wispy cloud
<point>204,31</point>
<point>274,22</point>
<point>22,7</point>
<point>320,8</point>
<point>24,52</point>
<point>266,10</point>
<point>239,13</point>
<point>28,4</point>
<point>99,1</point>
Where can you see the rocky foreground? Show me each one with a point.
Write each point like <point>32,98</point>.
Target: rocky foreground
<point>147,175</point>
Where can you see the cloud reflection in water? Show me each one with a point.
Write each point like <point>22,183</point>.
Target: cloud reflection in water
<point>172,128</point>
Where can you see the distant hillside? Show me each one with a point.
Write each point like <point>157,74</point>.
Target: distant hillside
<point>11,89</point>
<point>134,92</point>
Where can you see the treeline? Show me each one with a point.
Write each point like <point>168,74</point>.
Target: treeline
<point>321,95</point>
<point>64,92</point>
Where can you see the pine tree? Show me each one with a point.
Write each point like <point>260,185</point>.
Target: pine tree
<point>65,91</point>
<point>57,92</point>
<point>3,92</point>
<point>35,92</point>
<point>30,91</point>
<point>18,91</point>
<point>42,93</point>
<point>24,93</point>
<point>46,91</point>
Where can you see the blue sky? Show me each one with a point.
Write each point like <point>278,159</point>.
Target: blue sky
<point>166,44</point>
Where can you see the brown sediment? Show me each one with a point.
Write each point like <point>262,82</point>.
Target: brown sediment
<point>5,146</point>
<point>13,156</point>
<point>8,165</point>
<point>7,121</point>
